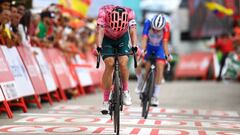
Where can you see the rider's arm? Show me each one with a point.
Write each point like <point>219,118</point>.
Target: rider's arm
<point>144,42</point>
<point>165,39</point>
<point>146,28</point>
<point>99,35</point>
<point>132,28</point>
<point>133,35</point>
<point>100,27</point>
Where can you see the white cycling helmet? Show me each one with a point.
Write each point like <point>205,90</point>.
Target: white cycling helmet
<point>158,22</point>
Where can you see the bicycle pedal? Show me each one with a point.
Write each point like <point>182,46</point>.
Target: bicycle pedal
<point>153,105</point>
<point>104,112</point>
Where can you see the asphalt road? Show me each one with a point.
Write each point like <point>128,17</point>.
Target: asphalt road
<point>186,108</point>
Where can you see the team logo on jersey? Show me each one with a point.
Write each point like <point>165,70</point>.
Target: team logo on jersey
<point>155,37</point>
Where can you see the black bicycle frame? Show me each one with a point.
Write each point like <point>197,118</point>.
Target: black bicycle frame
<point>148,90</point>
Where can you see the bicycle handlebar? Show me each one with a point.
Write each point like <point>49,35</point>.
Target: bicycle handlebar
<point>98,60</point>
<point>135,59</point>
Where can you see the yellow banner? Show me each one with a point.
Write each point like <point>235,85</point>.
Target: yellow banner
<point>215,6</point>
<point>79,6</point>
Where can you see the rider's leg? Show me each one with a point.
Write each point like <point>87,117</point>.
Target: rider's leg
<point>138,72</point>
<point>107,77</point>
<point>140,77</point>
<point>123,62</point>
<point>158,80</point>
<point>147,68</point>
<point>159,76</point>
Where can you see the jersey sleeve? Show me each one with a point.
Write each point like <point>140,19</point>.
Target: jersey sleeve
<point>146,28</point>
<point>101,17</point>
<point>131,18</point>
<point>166,34</point>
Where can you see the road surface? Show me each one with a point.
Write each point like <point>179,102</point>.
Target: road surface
<point>186,108</point>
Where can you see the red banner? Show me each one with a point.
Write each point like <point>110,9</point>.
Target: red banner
<point>194,65</point>
<point>60,68</point>
<point>33,70</point>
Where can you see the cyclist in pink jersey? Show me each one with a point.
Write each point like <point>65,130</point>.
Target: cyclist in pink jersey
<point>115,24</point>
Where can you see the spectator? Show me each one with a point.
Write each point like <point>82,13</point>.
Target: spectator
<point>23,28</point>
<point>5,4</point>
<point>35,20</point>
<point>21,8</point>
<point>43,25</point>
<point>4,29</point>
<point>224,44</point>
<point>15,18</point>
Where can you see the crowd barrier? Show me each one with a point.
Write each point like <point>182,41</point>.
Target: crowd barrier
<point>196,64</point>
<point>28,74</point>
<point>204,65</point>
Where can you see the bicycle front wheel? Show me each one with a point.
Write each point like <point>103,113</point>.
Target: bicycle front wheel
<point>117,104</point>
<point>148,95</point>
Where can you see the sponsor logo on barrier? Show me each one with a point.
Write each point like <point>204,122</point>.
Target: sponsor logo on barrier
<point>106,130</point>
<point>23,84</point>
<point>9,90</point>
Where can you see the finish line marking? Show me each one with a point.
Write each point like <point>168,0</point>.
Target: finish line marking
<point>144,122</point>
<point>138,116</point>
<point>105,130</point>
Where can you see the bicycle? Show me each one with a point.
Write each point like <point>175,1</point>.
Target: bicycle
<point>116,102</point>
<point>148,86</point>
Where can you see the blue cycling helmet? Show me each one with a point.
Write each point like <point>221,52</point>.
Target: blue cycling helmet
<point>158,22</point>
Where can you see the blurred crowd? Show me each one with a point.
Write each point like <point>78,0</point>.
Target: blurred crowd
<point>227,45</point>
<point>51,28</point>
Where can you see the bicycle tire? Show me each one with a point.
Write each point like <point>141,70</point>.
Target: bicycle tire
<point>148,95</point>
<point>144,100</point>
<point>117,104</point>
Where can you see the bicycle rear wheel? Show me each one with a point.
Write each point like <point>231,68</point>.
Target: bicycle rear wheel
<point>146,102</point>
<point>116,115</point>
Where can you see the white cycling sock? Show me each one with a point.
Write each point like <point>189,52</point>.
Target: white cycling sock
<point>157,90</point>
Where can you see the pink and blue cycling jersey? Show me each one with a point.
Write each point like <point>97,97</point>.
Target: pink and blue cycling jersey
<point>155,39</point>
